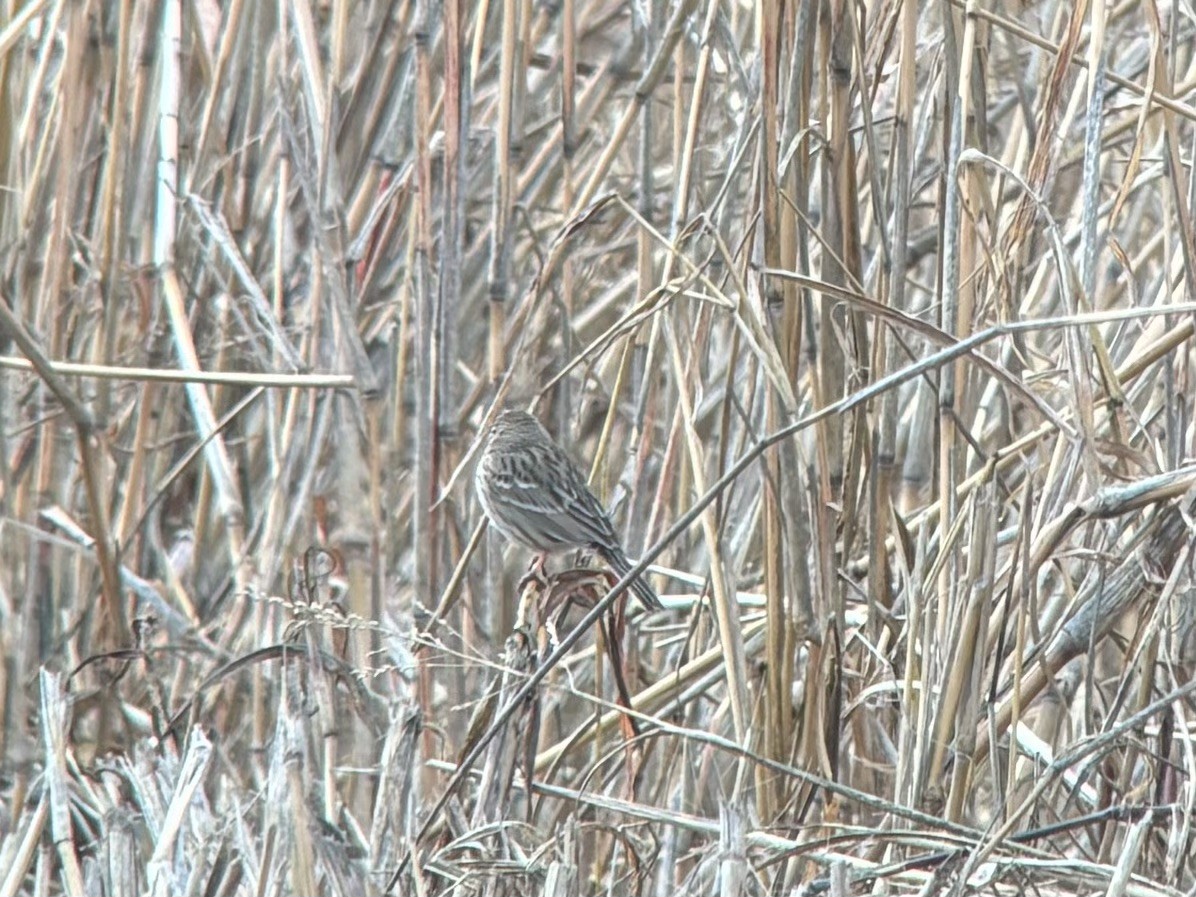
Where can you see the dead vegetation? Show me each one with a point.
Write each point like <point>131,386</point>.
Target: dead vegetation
<point>874,322</point>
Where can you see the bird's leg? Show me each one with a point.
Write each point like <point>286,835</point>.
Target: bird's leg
<point>535,573</point>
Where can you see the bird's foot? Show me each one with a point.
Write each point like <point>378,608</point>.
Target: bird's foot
<point>535,574</point>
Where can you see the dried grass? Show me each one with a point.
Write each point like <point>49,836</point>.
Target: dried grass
<point>874,322</point>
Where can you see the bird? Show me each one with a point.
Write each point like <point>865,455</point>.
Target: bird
<point>534,494</point>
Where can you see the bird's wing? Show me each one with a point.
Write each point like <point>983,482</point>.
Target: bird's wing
<point>541,497</point>
<point>592,523</point>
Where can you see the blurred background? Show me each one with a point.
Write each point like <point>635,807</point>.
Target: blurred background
<point>870,322</point>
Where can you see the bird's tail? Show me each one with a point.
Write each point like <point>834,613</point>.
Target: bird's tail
<point>620,565</point>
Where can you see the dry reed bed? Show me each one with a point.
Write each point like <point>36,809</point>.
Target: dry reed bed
<point>874,322</point>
